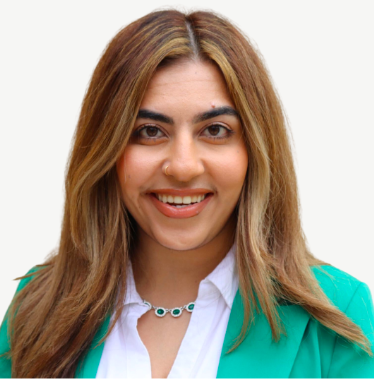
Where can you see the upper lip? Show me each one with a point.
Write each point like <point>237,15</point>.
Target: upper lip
<point>181,192</point>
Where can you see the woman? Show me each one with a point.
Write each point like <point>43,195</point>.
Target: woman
<point>181,251</point>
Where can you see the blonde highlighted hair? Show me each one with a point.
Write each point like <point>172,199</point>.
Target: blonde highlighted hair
<point>55,317</point>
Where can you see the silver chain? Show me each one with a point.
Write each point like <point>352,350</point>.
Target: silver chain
<point>166,309</point>
<point>175,312</point>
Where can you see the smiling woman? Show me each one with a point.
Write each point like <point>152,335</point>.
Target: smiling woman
<point>181,252</point>
<point>204,153</point>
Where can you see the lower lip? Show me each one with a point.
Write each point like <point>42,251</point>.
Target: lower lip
<point>186,212</point>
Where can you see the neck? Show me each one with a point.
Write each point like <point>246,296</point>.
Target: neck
<point>170,278</point>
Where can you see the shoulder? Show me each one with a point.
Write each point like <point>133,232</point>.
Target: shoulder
<point>353,298</point>
<point>25,279</point>
<point>348,294</point>
<point>340,287</point>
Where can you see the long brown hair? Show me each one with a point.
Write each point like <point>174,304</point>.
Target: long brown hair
<point>55,317</point>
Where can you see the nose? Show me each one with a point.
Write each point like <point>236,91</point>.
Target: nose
<point>184,162</point>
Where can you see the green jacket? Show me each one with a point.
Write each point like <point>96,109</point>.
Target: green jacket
<point>309,351</point>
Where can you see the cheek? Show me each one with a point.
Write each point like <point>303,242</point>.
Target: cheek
<point>134,168</point>
<point>231,169</point>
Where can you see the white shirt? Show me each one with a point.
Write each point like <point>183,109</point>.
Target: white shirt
<point>125,356</point>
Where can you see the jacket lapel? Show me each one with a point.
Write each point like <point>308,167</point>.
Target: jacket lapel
<point>258,356</point>
<point>88,366</point>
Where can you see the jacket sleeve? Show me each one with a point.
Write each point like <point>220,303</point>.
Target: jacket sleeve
<point>348,360</point>
<point>5,361</point>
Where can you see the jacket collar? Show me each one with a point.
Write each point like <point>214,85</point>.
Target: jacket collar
<point>256,357</point>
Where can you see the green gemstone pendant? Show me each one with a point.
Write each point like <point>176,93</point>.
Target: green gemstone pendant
<point>190,307</point>
<point>160,312</point>
<point>176,312</point>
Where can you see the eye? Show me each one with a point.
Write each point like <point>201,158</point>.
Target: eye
<point>217,131</point>
<point>149,132</point>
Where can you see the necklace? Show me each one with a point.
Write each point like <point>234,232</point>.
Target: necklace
<point>175,312</point>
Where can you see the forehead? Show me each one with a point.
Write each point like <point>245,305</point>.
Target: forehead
<point>188,81</point>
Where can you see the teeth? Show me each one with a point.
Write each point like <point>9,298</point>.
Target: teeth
<point>186,200</point>
<point>177,200</point>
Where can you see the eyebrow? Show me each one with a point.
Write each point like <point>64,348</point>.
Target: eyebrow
<point>148,114</point>
<point>218,111</point>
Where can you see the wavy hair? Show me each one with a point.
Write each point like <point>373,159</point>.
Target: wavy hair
<point>55,317</point>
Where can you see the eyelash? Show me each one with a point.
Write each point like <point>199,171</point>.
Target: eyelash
<point>138,132</point>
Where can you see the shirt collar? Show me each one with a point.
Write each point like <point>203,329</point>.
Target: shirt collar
<point>132,295</point>
<point>224,277</point>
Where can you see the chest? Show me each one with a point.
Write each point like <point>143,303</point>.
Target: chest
<point>185,347</point>
<point>162,337</point>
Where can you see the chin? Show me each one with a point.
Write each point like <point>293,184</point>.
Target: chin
<point>181,244</point>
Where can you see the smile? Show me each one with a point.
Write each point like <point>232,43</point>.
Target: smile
<point>180,206</point>
<point>179,201</point>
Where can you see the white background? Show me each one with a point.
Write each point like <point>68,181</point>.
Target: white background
<point>319,53</point>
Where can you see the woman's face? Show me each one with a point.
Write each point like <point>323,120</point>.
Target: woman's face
<point>187,122</point>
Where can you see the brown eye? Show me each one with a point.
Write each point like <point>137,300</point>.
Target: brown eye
<point>152,131</point>
<point>148,132</point>
<point>217,131</point>
<point>214,130</point>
